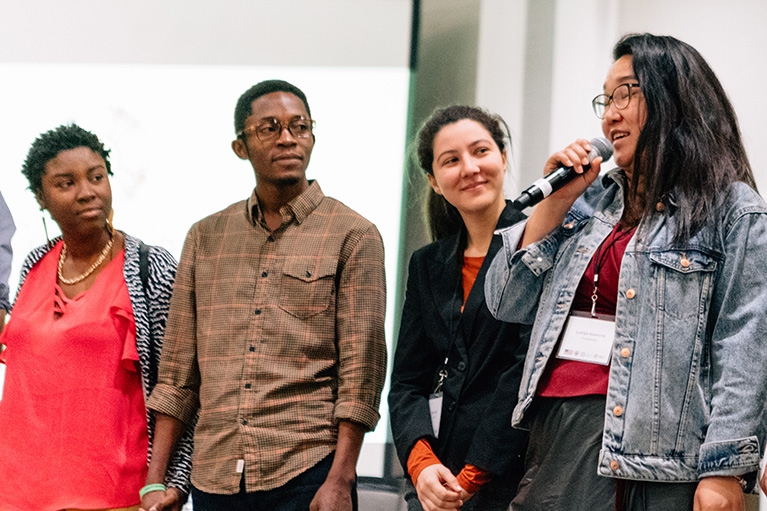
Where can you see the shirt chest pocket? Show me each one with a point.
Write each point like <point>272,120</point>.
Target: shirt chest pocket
<point>684,282</point>
<point>307,286</point>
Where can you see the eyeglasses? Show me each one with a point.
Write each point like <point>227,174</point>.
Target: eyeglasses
<point>272,129</point>
<point>620,98</point>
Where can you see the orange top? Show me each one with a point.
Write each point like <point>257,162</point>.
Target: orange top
<point>72,415</point>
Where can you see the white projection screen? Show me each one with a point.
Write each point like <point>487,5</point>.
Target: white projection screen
<point>170,126</point>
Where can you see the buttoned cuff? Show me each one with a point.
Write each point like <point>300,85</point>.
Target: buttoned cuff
<point>181,404</point>
<point>730,458</point>
<point>358,412</point>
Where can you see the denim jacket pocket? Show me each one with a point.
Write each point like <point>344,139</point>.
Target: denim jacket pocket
<point>680,277</point>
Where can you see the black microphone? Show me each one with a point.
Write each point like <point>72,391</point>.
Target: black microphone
<point>553,181</point>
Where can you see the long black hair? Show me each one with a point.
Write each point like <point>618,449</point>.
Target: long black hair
<point>690,149</point>
<point>443,218</point>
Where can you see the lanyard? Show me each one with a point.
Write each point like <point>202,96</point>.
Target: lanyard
<point>599,259</point>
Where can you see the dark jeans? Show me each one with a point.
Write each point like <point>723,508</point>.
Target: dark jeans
<point>295,495</point>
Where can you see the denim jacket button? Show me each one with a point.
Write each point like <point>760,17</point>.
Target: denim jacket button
<point>618,411</point>
<point>685,262</point>
<point>660,207</point>
<point>614,465</point>
<point>630,293</point>
<point>625,352</point>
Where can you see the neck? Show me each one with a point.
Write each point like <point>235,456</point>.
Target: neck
<point>479,228</point>
<point>85,246</point>
<point>272,198</point>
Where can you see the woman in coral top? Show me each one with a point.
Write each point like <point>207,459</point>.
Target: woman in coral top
<point>456,368</point>
<point>83,344</point>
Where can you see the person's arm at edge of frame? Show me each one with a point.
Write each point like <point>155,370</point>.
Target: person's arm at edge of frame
<point>362,363</point>
<point>174,364</point>
<point>7,229</point>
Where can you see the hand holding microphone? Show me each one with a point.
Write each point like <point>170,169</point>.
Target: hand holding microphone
<point>600,147</point>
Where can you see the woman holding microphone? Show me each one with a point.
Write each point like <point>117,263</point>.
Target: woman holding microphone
<point>646,365</point>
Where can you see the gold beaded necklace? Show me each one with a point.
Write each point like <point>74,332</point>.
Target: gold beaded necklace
<point>90,270</point>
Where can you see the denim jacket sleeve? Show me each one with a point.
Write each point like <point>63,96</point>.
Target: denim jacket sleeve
<point>515,278</point>
<point>736,432</point>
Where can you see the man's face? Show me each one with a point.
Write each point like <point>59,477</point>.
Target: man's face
<point>280,162</point>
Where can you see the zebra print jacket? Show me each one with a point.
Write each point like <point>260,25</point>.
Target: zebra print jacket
<point>152,315</point>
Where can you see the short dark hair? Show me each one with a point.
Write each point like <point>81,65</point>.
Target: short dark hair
<point>245,104</point>
<point>690,149</point>
<point>443,218</point>
<point>49,144</point>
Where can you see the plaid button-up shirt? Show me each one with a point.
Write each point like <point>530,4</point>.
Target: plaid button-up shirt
<point>274,337</point>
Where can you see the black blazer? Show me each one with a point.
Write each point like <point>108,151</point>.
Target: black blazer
<point>485,361</point>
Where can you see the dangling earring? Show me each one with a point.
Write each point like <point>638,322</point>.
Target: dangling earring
<point>45,227</point>
<point>110,228</point>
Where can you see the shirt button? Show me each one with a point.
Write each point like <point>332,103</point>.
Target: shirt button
<point>308,274</point>
<point>244,422</point>
<point>252,348</point>
<point>618,411</point>
<point>630,293</point>
<point>614,465</point>
<point>461,365</point>
<point>257,312</point>
<point>625,352</point>
<point>264,273</point>
<point>247,385</point>
<point>270,238</point>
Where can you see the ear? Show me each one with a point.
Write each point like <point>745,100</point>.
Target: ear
<point>239,148</point>
<point>505,161</point>
<point>434,184</point>
<point>40,199</point>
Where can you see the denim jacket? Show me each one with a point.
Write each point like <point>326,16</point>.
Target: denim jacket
<point>688,373</point>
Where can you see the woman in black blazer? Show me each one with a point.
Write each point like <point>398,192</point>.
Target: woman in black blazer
<point>456,368</point>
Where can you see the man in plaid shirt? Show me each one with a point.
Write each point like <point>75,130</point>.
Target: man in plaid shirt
<point>276,332</point>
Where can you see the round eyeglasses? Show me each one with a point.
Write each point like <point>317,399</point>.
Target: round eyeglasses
<point>271,129</point>
<point>620,98</point>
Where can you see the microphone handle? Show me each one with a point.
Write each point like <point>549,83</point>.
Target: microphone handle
<point>545,186</point>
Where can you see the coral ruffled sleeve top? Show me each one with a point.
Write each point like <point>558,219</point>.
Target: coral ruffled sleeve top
<point>73,430</point>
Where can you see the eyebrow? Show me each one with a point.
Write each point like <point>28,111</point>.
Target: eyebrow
<point>478,141</point>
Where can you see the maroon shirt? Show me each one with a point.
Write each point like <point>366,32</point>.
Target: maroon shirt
<point>570,378</point>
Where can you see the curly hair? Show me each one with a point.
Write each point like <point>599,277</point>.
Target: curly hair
<point>51,143</point>
<point>443,218</point>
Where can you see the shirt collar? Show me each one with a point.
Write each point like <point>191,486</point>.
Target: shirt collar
<point>297,209</point>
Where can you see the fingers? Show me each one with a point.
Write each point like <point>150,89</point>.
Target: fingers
<point>438,489</point>
<point>575,155</point>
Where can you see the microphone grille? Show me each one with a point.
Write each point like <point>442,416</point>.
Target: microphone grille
<point>600,146</point>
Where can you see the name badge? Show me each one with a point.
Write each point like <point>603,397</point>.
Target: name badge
<point>435,408</point>
<point>588,339</point>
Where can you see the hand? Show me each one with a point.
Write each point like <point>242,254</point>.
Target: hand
<point>551,212</point>
<point>171,500</point>
<point>575,155</point>
<point>438,489</point>
<point>333,495</point>
<point>719,493</point>
<point>763,483</point>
